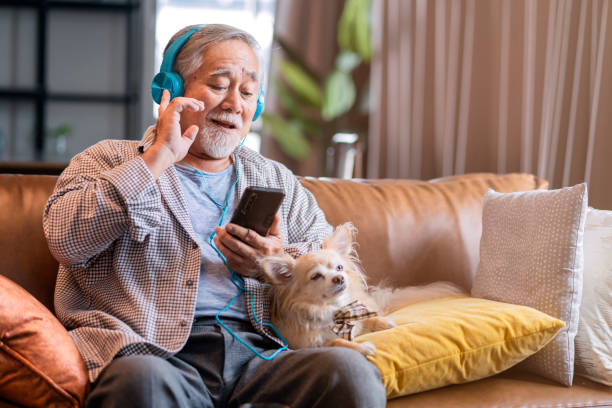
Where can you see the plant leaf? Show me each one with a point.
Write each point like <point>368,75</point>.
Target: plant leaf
<point>286,99</point>
<point>363,44</point>
<point>354,28</point>
<point>291,141</point>
<point>62,129</point>
<point>302,83</point>
<point>307,126</point>
<point>339,95</point>
<point>345,26</point>
<point>346,61</point>
<point>292,107</point>
<point>296,57</point>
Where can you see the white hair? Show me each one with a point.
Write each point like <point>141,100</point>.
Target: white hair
<point>191,55</point>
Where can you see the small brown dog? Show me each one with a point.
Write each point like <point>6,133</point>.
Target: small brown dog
<point>322,298</point>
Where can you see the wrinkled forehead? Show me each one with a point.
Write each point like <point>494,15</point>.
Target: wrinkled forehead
<point>231,58</point>
<point>223,71</point>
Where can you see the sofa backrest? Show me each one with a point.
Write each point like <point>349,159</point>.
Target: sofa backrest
<point>24,255</point>
<point>409,232</point>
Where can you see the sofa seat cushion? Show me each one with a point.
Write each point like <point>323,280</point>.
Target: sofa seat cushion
<point>510,389</point>
<point>40,365</point>
<point>455,340</point>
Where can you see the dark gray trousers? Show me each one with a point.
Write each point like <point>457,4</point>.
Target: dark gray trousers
<point>216,370</point>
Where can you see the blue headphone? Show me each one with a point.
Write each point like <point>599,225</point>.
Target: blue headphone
<point>172,81</point>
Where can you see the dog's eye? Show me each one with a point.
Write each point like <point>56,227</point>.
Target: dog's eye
<point>316,276</point>
<point>339,267</point>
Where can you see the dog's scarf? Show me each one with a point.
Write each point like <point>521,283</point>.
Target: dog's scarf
<point>344,318</point>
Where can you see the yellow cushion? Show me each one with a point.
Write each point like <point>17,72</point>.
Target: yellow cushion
<point>455,340</point>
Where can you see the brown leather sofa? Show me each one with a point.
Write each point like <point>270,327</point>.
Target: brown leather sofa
<point>410,232</point>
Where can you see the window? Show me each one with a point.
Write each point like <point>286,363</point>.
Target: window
<point>69,76</point>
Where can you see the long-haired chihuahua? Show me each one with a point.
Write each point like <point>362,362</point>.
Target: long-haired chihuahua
<point>322,298</point>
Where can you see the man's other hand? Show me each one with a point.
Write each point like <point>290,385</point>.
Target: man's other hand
<point>170,146</point>
<point>242,247</point>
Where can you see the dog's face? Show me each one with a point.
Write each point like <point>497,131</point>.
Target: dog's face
<point>321,277</point>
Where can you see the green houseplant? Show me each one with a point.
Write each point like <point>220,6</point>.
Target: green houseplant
<point>312,107</point>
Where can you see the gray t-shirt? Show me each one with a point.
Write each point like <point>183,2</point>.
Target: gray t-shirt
<point>215,288</point>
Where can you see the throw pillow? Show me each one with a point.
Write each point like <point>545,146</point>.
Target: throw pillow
<point>594,338</point>
<point>531,255</point>
<point>456,340</point>
<point>40,365</point>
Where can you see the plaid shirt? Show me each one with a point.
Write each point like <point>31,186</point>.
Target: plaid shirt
<point>129,260</point>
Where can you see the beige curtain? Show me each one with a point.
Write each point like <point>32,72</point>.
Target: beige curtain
<point>493,85</point>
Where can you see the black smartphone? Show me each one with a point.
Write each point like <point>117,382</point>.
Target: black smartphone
<point>257,208</point>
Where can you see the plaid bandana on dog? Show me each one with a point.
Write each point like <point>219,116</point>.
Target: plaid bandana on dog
<point>344,318</point>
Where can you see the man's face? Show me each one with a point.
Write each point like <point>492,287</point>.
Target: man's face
<point>227,84</point>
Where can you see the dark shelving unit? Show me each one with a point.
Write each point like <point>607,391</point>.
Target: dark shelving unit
<point>40,94</point>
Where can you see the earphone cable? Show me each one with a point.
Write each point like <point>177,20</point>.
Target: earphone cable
<point>234,277</point>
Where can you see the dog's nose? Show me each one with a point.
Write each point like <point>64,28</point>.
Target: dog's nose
<point>338,280</point>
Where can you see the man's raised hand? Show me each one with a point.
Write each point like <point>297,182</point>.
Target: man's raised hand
<point>170,145</point>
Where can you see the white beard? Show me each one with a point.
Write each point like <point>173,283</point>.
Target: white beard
<point>216,143</point>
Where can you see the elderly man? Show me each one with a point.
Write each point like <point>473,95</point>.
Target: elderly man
<point>140,281</point>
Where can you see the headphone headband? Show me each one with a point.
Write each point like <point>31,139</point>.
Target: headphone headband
<point>173,49</point>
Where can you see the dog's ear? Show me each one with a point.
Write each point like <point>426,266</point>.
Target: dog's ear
<point>277,269</point>
<point>342,239</point>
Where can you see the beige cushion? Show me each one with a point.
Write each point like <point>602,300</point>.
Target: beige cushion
<point>531,255</point>
<point>594,337</point>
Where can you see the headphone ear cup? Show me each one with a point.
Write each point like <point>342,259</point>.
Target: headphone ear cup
<point>260,105</point>
<point>167,80</point>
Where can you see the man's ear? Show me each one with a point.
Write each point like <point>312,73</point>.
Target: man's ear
<point>342,239</point>
<point>277,269</point>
